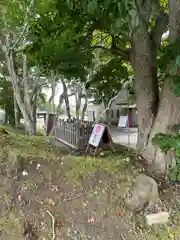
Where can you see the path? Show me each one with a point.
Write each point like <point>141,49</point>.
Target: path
<point>125,136</point>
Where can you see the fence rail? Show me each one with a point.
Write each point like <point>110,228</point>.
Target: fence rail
<point>74,133</point>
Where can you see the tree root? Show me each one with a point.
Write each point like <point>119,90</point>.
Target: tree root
<point>76,197</point>
<point>53,225</point>
<point>122,237</point>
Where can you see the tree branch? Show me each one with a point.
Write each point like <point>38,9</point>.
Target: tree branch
<point>32,5</point>
<point>110,103</point>
<point>115,51</point>
<point>161,22</point>
<point>159,28</point>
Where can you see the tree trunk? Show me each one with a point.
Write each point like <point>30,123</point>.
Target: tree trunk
<point>34,114</point>
<point>84,108</point>
<point>78,100</point>
<point>12,69</point>
<point>16,113</point>
<point>59,107</point>
<point>51,99</point>
<point>17,93</point>
<point>146,84</point>
<point>154,118</point>
<point>6,117</point>
<point>66,99</point>
<point>167,116</point>
<point>107,113</point>
<point>108,117</point>
<point>30,125</point>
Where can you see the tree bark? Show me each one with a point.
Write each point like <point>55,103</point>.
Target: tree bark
<point>78,95</point>
<point>167,116</point>
<point>107,113</point>
<point>34,111</point>
<point>51,99</point>
<point>146,84</point>
<point>155,116</point>
<point>59,107</point>
<point>84,108</point>
<point>143,59</point>
<point>6,117</point>
<point>16,113</point>
<point>15,79</point>
<point>29,125</point>
<point>66,99</point>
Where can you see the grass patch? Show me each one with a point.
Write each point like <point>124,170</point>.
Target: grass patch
<point>27,146</point>
<point>83,166</point>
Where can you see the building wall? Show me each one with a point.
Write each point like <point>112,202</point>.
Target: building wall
<point>115,112</point>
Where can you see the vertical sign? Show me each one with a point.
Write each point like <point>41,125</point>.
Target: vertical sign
<point>96,135</point>
<point>123,121</point>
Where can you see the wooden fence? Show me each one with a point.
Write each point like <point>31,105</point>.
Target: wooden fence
<point>74,133</point>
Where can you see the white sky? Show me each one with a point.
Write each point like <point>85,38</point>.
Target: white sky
<point>59,90</point>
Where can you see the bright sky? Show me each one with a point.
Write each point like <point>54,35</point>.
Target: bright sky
<point>59,90</point>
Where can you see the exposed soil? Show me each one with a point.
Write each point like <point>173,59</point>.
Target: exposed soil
<point>58,196</point>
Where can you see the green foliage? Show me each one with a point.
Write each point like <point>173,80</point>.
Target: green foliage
<point>170,142</point>
<point>166,141</point>
<point>169,63</point>
<point>174,173</point>
<point>7,99</point>
<point>58,42</point>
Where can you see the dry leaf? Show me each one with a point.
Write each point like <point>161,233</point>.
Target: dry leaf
<point>51,202</point>
<point>24,173</point>
<point>60,223</point>
<point>91,220</point>
<point>55,188</point>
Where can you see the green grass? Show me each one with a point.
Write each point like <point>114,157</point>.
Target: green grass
<point>83,166</point>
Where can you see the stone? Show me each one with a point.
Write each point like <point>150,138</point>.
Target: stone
<point>157,218</point>
<point>143,194</point>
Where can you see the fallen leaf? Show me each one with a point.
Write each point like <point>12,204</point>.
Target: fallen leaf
<point>19,197</point>
<point>91,220</point>
<point>24,173</point>
<point>117,214</point>
<point>60,223</point>
<point>38,166</point>
<point>85,203</point>
<point>55,188</point>
<point>51,202</point>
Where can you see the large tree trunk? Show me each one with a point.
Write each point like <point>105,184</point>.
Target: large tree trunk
<point>167,116</point>
<point>145,84</point>
<point>10,59</point>
<point>29,125</point>
<point>154,117</point>
<point>16,86</point>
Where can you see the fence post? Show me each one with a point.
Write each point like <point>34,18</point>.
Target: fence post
<point>77,134</point>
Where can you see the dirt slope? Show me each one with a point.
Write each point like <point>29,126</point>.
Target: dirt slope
<point>47,194</point>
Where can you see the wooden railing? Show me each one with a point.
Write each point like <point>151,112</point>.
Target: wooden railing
<point>74,133</point>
